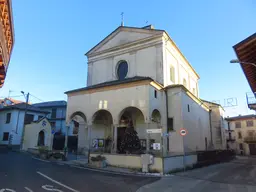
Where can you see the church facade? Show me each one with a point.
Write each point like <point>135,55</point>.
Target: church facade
<point>139,75</point>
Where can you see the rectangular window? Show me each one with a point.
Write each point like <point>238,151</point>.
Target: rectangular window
<point>188,109</point>
<point>29,118</point>
<point>170,124</point>
<point>238,124</point>
<point>155,93</point>
<point>8,118</point>
<point>241,146</point>
<point>6,136</point>
<point>239,135</point>
<point>54,111</point>
<point>249,123</point>
<point>172,74</point>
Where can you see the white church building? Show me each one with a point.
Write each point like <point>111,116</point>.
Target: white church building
<point>139,74</point>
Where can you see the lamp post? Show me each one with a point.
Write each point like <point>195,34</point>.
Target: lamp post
<point>242,62</point>
<point>23,127</point>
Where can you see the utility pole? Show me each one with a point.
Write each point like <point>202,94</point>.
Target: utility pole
<point>26,109</point>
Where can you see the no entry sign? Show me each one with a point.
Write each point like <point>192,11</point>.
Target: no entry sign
<point>183,132</point>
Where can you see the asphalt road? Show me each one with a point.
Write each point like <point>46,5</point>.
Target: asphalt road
<point>236,176</point>
<point>20,173</point>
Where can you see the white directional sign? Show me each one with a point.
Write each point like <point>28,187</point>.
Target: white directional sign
<point>154,130</point>
<point>183,132</point>
<point>156,146</point>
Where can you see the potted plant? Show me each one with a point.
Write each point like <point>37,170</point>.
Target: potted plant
<point>43,152</point>
<point>98,161</point>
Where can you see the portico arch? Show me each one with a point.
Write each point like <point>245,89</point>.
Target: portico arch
<point>78,127</point>
<point>156,116</point>
<point>134,115</point>
<point>102,131</point>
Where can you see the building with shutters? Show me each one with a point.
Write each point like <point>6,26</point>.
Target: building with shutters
<point>242,134</point>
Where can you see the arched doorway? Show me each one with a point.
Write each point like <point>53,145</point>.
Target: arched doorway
<point>41,139</point>
<point>131,117</point>
<point>102,131</point>
<point>78,139</point>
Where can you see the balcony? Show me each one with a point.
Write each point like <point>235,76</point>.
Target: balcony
<point>251,100</point>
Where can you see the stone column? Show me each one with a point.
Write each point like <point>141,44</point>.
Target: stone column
<point>114,144</point>
<point>148,139</point>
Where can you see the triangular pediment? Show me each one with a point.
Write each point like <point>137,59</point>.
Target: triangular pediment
<point>122,36</point>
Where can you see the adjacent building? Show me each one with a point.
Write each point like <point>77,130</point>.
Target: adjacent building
<point>12,122</point>
<point>56,115</point>
<point>6,37</point>
<point>246,54</point>
<point>242,129</point>
<point>139,75</point>
<point>218,125</point>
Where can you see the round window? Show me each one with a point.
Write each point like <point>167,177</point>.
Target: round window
<point>122,70</point>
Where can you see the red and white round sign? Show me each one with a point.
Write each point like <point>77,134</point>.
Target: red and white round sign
<point>183,132</point>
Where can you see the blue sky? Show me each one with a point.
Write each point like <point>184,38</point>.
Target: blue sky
<point>51,37</point>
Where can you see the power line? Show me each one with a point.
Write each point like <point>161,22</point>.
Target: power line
<point>35,97</point>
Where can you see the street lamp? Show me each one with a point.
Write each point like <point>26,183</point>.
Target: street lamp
<point>242,62</point>
<point>26,108</point>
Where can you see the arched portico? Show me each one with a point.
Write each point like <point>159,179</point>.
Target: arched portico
<point>136,116</point>
<point>77,125</point>
<point>102,131</point>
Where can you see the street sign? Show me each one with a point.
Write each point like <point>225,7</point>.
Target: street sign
<point>156,146</point>
<point>183,132</point>
<point>154,130</point>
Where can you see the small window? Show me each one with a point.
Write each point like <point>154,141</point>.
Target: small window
<point>185,82</point>
<point>54,111</point>
<point>241,146</point>
<point>155,93</point>
<point>8,118</point>
<point>6,136</point>
<point>239,135</point>
<point>249,123</point>
<point>238,124</point>
<point>172,74</point>
<point>170,124</point>
<point>29,118</point>
<point>188,109</point>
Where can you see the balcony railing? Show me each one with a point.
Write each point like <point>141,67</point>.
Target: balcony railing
<point>251,100</point>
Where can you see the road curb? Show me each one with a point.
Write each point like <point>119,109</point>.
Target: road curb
<point>62,163</point>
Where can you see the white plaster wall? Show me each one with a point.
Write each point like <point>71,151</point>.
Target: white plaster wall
<point>174,111</point>
<point>182,69</point>
<point>15,127</point>
<point>112,100</point>
<point>105,69</point>
<point>31,135</point>
<point>196,121</point>
<point>176,162</point>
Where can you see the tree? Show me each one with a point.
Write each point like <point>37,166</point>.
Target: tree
<point>131,141</point>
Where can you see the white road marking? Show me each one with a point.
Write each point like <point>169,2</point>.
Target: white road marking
<point>29,190</point>
<point>115,173</point>
<point>6,190</point>
<point>50,188</point>
<point>40,159</point>
<point>57,182</point>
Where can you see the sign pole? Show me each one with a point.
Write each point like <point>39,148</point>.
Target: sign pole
<point>184,165</point>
